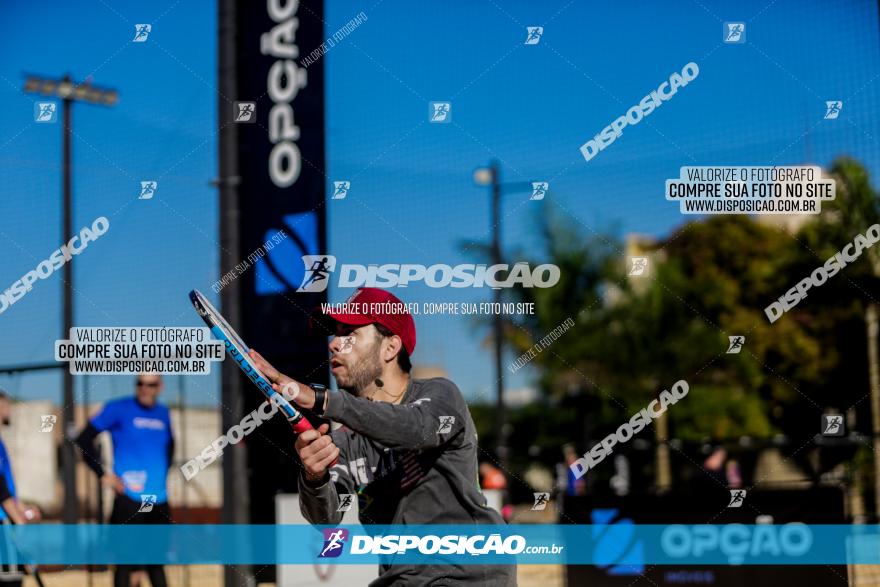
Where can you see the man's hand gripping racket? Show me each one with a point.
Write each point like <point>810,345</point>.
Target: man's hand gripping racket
<point>315,447</point>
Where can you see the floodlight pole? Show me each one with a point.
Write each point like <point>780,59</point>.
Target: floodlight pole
<point>497,324</point>
<point>491,176</point>
<point>68,454</point>
<point>235,468</point>
<point>69,92</point>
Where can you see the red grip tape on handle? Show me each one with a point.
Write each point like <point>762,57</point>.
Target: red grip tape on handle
<point>302,425</point>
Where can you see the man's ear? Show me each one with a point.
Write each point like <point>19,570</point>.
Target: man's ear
<point>393,346</point>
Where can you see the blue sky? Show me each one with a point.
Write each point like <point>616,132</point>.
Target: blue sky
<point>412,198</point>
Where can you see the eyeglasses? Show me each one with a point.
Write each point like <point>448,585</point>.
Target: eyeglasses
<point>144,384</point>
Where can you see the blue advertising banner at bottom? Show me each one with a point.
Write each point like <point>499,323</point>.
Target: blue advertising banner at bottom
<point>602,545</point>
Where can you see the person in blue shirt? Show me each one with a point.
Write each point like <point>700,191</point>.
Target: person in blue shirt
<point>11,510</point>
<point>143,447</point>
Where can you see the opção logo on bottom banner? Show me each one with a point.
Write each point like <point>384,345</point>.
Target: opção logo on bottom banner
<point>737,542</point>
<point>319,267</point>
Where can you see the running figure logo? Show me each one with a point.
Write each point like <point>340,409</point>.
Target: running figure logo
<point>734,32</point>
<point>141,32</point>
<point>345,502</point>
<point>45,112</point>
<point>148,189</point>
<point>639,265</point>
<point>333,542</point>
<point>832,109</point>
<point>47,423</point>
<point>736,344</point>
<point>340,189</point>
<point>245,112</point>
<point>347,345</point>
<point>533,36</point>
<point>318,269</point>
<point>446,424</point>
<point>541,500</point>
<point>832,425</point>
<point>736,498</point>
<point>441,112</point>
<point>539,190</point>
<point>147,503</point>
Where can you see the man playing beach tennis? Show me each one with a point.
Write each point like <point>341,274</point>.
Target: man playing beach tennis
<point>407,448</point>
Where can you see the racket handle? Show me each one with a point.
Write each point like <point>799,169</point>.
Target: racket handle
<point>302,425</point>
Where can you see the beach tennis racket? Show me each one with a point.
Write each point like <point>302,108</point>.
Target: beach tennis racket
<point>236,348</point>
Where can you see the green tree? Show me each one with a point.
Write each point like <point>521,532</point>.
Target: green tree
<point>855,209</point>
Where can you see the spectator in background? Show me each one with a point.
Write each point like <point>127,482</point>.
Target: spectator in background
<point>709,487</point>
<point>567,484</point>
<point>714,466</point>
<point>11,510</point>
<point>491,477</point>
<point>143,448</point>
<point>573,485</point>
<point>734,475</point>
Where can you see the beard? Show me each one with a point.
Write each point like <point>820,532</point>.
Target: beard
<point>362,373</point>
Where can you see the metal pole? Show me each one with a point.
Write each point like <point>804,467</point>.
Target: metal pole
<point>68,454</point>
<point>235,477</point>
<point>497,325</point>
<point>181,410</point>
<point>87,514</point>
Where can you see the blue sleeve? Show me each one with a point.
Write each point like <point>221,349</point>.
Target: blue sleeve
<point>107,418</point>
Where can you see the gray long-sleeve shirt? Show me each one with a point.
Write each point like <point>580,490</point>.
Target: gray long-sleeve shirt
<point>409,463</point>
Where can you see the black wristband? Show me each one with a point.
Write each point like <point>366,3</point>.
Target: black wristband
<point>320,395</point>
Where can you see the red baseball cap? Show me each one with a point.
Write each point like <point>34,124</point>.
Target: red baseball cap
<point>369,305</point>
